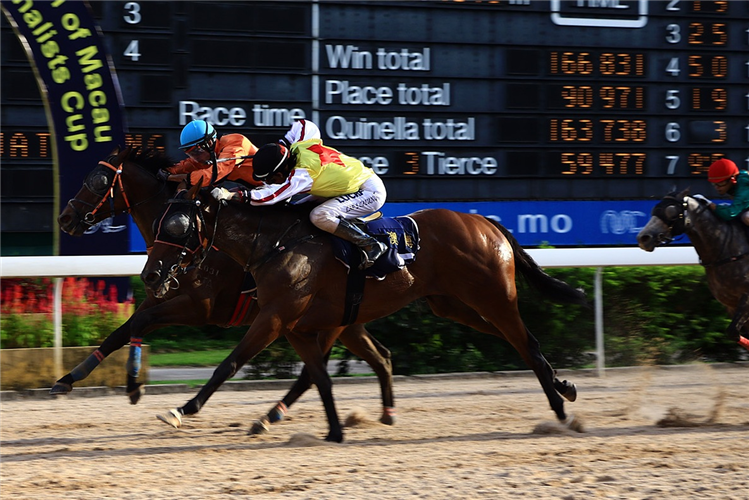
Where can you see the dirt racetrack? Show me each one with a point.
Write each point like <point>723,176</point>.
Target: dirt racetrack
<point>492,437</point>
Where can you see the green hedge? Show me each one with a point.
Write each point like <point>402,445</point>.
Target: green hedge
<point>652,315</point>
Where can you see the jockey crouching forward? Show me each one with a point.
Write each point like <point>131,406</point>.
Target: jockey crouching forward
<point>349,189</point>
<point>227,158</point>
<point>728,180</point>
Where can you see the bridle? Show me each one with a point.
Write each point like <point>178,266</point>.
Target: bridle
<point>106,194</point>
<point>679,223</point>
<point>165,234</point>
<point>676,219</point>
<point>193,241</point>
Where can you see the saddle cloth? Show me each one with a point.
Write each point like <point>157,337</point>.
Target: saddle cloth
<point>400,234</point>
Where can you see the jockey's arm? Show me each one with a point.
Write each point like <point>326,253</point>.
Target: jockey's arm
<point>301,130</point>
<point>740,201</point>
<point>298,182</point>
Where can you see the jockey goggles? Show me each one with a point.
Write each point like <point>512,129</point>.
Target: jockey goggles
<point>197,149</point>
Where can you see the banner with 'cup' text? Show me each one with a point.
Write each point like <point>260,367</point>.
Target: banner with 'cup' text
<point>84,105</point>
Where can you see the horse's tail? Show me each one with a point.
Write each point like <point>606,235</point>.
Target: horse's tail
<point>555,289</point>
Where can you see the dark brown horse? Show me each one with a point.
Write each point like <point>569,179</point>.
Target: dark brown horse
<point>209,294</point>
<point>465,270</point>
<point>722,246</point>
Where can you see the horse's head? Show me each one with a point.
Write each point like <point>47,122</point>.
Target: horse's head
<point>668,220</point>
<point>181,242</point>
<point>111,188</point>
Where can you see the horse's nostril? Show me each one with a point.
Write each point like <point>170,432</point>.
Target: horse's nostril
<point>151,278</point>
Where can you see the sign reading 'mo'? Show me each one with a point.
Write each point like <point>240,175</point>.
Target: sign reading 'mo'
<point>82,99</point>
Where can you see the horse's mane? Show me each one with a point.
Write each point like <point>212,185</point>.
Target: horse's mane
<point>150,159</point>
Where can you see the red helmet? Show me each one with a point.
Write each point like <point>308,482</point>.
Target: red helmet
<point>722,170</point>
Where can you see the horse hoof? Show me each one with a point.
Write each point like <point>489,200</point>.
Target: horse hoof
<point>259,427</point>
<point>388,419</point>
<point>60,388</point>
<point>172,418</point>
<point>573,423</point>
<point>277,413</point>
<point>334,438</point>
<point>388,416</point>
<point>136,394</point>
<point>571,393</point>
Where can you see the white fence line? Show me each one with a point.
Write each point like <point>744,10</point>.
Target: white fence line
<point>131,265</point>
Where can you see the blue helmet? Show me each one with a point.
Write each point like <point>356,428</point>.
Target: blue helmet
<point>196,132</point>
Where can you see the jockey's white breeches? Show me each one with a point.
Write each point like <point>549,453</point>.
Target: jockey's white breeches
<point>369,198</point>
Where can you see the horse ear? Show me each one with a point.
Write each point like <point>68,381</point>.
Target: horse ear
<point>683,193</point>
<point>121,154</point>
<point>115,151</point>
<point>193,192</point>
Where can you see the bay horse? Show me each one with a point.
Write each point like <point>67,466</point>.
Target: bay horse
<point>209,294</point>
<point>723,248</point>
<point>465,269</point>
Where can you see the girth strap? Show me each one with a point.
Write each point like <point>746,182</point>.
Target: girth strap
<point>354,295</point>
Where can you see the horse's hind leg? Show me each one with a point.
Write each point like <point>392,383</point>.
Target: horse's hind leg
<point>739,320</point>
<point>357,340</point>
<point>362,344</point>
<point>511,328</point>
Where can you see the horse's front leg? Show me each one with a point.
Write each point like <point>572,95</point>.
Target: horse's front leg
<point>278,412</point>
<point>739,320</point>
<point>310,351</point>
<point>258,337</point>
<point>113,342</point>
<point>178,310</point>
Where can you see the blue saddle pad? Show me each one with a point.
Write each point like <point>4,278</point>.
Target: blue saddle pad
<point>400,234</point>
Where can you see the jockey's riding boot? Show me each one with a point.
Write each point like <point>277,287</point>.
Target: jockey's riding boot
<point>370,247</point>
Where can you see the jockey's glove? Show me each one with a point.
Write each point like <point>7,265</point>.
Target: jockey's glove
<point>702,199</point>
<point>163,175</point>
<point>222,194</point>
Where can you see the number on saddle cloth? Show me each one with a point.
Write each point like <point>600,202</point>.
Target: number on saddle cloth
<point>399,234</point>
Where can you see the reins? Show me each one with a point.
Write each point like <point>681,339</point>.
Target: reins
<point>727,260</point>
<point>197,220</point>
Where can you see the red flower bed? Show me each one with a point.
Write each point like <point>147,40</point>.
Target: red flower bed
<point>90,311</point>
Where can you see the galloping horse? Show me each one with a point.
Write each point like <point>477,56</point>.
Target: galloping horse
<point>207,295</point>
<point>465,269</point>
<point>723,248</point>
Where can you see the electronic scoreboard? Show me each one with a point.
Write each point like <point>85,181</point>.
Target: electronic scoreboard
<point>448,100</point>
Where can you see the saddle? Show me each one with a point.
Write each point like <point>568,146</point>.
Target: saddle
<point>399,234</point>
